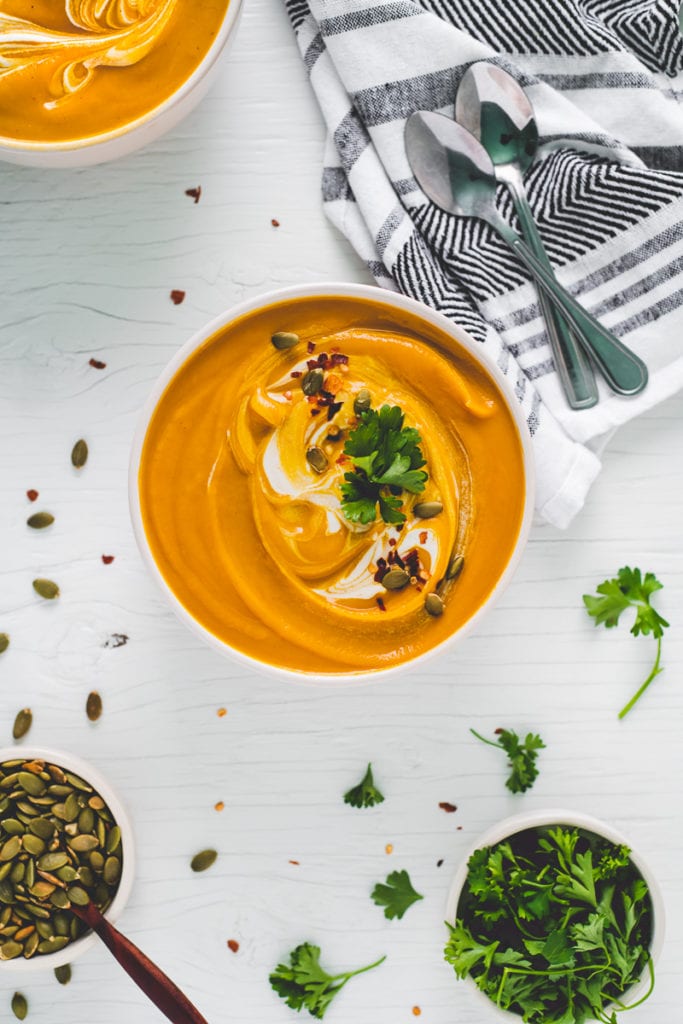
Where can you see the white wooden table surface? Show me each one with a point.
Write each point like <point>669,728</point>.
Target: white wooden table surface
<point>87,261</point>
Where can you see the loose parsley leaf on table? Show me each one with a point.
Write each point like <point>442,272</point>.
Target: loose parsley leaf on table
<point>396,895</point>
<point>630,590</point>
<point>365,794</point>
<point>553,924</point>
<point>305,985</point>
<point>522,756</point>
<point>387,460</point>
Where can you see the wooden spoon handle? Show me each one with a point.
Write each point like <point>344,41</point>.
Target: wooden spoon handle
<point>153,982</point>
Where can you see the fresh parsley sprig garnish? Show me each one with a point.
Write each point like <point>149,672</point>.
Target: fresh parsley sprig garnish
<point>522,756</point>
<point>365,794</point>
<point>305,985</point>
<point>387,460</point>
<point>630,590</point>
<point>396,895</point>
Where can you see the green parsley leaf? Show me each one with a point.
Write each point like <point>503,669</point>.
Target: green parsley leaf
<point>365,794</point>
<point>630,590</point>
<point>396,895</point>
<point>305,985</point>
<point>387,460</point>
<point>522,756</point>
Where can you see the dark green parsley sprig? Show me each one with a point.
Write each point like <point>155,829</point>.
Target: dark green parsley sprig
<point>396,895</point>
<point>554,925</point>
<point>305,985</point>
<point>630,590</point>
<point>387,460</point>
<point>522,756</point>
<point>365,794</point>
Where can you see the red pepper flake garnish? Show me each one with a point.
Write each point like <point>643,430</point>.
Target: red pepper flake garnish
<point>423,537</point>
<point>380,604</point>
<point>32,495</point>
<point>342,459</point>
<point>391,557</point>
<point>275,223</point>
<point>439,863</point>
<point>296,374</point>
<point>497,732</point>
<point>177,296</point>
<point>107,559</point>
<point>296,862</point>
<point>338,358</point>
<point>389,848</point>
<point>97,364</point>
<point>448,808</point>
<point>222,712</point>
<point>233,945</point>
<point>416,1011</point>
<point>333,409</point>
<point>194,193</point>
<point>220,806</point>
<point>310,347</point>
<point>459,828</point>
<point>393,542</point>
<point>312,364</point>
<point>399,529</point>
<point>315,412</point>
<point>382,570</point>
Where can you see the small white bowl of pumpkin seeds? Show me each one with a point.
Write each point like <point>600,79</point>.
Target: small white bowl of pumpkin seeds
<point>65,839</point>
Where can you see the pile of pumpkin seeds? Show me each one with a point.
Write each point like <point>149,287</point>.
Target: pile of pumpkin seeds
<point>59,845</point>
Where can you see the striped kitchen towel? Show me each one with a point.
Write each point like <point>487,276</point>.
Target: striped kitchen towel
<point>606,79</point>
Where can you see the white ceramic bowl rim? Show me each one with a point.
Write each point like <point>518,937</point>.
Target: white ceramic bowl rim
<point>575,819</point>
<point>88,773</point>
<point>209,59</point>
<point>352,291</point>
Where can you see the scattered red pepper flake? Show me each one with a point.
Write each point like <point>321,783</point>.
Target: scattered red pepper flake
<point>459,828</point>
<point>380,604</point>
<point>315,412</point>
<point>423,537</point>
<point>275,222</point>
<point>222,712</point>
<point>497,732</point>
<point>233,945</point>
<point>416,1011</point>
<point>296,374</point>
<point>97,364</point>
<point>32,495</point>
<point>342,459</point>
<point>439,863</point>
<point>448,808</point>
<point>194,193</point>
<point>220,806</point>
<point>107,559</point>
<point>389,848</point>
<point>310,347</point>
<point>177,296</point>
<point>393,542</point>
<point>295,862</point>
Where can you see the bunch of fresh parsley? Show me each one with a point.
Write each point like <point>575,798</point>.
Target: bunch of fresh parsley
<point>521,754</point>
<point>553,924</point>
<point>396,894</point>
<point>387,460</point>
<point>305,985</point>
<point>366,793</point>
<point>630,590</point>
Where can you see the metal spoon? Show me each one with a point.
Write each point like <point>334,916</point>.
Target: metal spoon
<point>492,105</point>
<point>454,170</point>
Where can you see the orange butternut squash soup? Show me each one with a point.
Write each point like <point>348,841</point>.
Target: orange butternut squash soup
<point>329,485</point>
<point>74,69</point>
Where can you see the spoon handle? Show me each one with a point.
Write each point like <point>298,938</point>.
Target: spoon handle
<point>573,367</point>
<point>159,988</point>
<point>624,371</point>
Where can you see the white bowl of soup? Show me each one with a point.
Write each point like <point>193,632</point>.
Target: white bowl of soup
<point>331,481</point>
<point>83,81</point>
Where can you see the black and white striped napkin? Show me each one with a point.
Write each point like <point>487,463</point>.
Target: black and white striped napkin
<point>606,81</point>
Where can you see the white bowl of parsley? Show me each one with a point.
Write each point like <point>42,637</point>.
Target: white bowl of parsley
<point>555,919</point>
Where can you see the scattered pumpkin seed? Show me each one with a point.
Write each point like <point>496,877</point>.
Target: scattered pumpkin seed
<point>428,509</point>
<point>113,839</point>
<point>395,579</point>
<point>4,642</point>
<point>362,402</point>
<point>455,567</point>
<point>317,460</point>
<point>312,382</point>
<point>78,896</point>
<point>284,339</point>
<point>93,706</point>
<point>46,589</point>
<point>39,520</point>
<point>112,870</point>
<point>203,860</point>
<point>79,454</point>
<point>19,1006</point>
<point>63,974</point>
<point>22,723</point>
<point>434,605</point>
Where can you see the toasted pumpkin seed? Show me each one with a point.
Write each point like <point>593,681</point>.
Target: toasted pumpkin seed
<point>10,848</point>
<point>4,642</point>
<point>52,861</point>
<point>42,827</point>
<point>317,460</point>
<point>312,382</point>
<point>93,706</point>
<point>395,579</point>
<point>34,845</point>
<point>83,844</point>
<point>455,567</point>
<point>63,974</point>
<point>203,860</point>
<point>33,784</point>
<point>362,402</point>
<point>113,839</point>
<point>22,723</point>
<point>47,589</point>
<point>10,950</point>
<point>79,454</point>
<point>19,1006</point>
<point>427,509</point>
<point>78,896</point>
<point>39,520</point>
<point>434,605</point>
<point>31,945</point>
<point>284,339</point>
<point>112,870</point>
